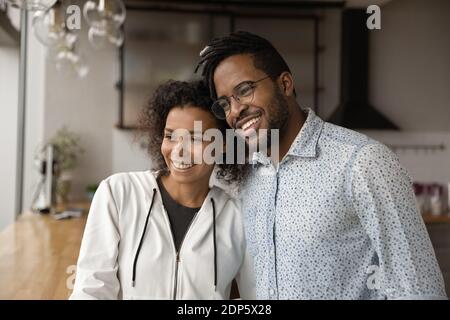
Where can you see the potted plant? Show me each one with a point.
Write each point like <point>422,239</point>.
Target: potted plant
<point>67,150</point>
<point>90,190</point>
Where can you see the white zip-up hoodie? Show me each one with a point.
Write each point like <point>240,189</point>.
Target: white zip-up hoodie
<point>127,251</point>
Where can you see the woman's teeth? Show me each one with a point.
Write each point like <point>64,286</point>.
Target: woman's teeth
<point>180,165</point>
<point>250,122</point>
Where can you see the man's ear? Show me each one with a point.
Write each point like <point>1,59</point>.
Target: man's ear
<point>286,83</point>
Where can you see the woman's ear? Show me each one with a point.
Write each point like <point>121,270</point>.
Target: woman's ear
<point>286,83</point>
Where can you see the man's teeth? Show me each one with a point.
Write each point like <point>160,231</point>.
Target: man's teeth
<point>250,122</point>
<point>180,165</point>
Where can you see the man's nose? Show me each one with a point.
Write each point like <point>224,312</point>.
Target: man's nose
<point>236,109</point>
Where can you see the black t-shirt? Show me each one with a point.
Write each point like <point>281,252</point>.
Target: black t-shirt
<point>180,217</point>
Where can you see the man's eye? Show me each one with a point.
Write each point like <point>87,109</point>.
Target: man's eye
<point>167,136</point>
<point>223,103</point>
<point>245,90</point>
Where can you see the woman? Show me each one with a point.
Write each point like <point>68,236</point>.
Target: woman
<point>166,234</point>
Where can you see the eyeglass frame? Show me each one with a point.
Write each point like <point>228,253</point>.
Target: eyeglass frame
<point>237,99</point>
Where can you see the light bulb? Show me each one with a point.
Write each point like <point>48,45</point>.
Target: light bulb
<point>81,67</point>
<point>68,62</point>
<point>104,13</point>
<point>49,26</point>
<point>104,37</point>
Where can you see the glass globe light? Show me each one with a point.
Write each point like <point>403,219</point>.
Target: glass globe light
<point>68,62</point>
<point>104,14</point>
<point>49,26</point>
<point>103,37</point>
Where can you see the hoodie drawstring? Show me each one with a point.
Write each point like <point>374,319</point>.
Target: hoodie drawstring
<point>215,245</point>
<point>142,238</point>
<point>145,228</point>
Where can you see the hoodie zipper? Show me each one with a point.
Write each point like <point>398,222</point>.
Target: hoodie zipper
<point>177,253</point>
<point>174,296</point>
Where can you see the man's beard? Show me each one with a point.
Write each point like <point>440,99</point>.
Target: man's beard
<point>278,114</point>
<point>277,118</point>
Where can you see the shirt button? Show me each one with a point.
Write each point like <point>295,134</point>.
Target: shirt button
<point>271,292</point>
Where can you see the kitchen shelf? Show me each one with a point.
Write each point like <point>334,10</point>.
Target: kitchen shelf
<point>431,218</point>
<point>144,43</point>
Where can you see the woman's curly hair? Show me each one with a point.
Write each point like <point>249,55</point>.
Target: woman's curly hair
<point>153,116</point>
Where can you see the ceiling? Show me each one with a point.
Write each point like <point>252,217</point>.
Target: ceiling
<point>277,3</point>
<point>266,3</point>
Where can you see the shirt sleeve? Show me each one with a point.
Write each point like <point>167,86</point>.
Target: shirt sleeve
<point>245,278</point>
<point>384,201</point>
<point>97,266</point>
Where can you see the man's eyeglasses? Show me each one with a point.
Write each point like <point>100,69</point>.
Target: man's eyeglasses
<point>242,93</point>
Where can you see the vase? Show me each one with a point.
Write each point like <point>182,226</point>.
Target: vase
<point>63,188</point>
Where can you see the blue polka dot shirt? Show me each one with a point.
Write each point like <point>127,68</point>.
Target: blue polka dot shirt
<point>337,219</point>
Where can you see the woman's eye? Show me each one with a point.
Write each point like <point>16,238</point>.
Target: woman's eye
<point>197,138</point>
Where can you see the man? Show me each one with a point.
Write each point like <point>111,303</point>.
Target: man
<point>335,217</point>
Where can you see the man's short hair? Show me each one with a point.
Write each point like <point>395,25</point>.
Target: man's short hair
<point>265,56</point>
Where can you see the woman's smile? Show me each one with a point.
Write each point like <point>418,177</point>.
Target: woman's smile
<point>181,166</point>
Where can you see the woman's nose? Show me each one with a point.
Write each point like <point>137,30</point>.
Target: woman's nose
<point>179,149</point>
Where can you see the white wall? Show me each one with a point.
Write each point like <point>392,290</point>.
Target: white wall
<point>9,93</point>
<point>128,153</point>
<point>410,64</point>
<point>86,106</point>
<point>423,165</point>
<point>409,83</point>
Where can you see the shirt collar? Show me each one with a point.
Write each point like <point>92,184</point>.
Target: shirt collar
<point>304,145</point>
